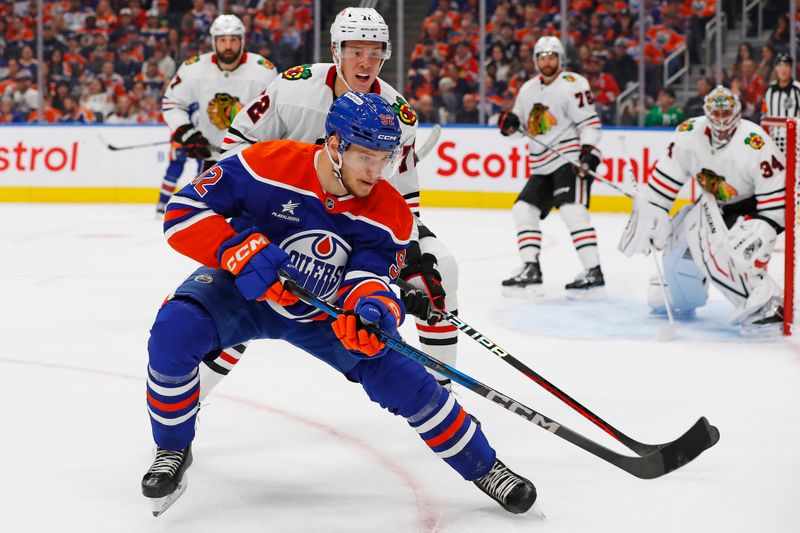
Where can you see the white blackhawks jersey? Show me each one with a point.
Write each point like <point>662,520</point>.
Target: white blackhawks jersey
<point>560,114</point>
<point>199,81</point>
<point>751,164</point>
<point>295,107</point>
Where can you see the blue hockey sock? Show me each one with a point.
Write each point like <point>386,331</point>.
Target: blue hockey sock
<point>172,403</point>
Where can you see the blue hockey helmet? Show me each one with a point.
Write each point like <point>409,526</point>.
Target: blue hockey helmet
<point>365,120</point>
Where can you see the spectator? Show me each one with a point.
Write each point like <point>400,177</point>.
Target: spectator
<point>426,113</point>
<point>51,40</point>
<point>498,58</point>
<point>10,76</point>
<point>166,65</point>
<point>96,99</point>
<point>27,61</point>
<point>125,26</point>
<point>9,113</point>
<point>25,97</point>
<point>154,80</point>
<point>447,99</point>
<point>665,113</point>
<point>75,114</point>
<point>604,89</point>
<point>58,70</point>
<point>753,88</point>
<point>764,68</point>
<point>621,65</point>
<point>695,104</point>
<point>112,82</point>
<point>51,114</point>
<point>507,41</point>
<point>124,112</point>
<point>63,90</point>
<point>745,53</point>
<point>469,113</point>
<point>126,66</point>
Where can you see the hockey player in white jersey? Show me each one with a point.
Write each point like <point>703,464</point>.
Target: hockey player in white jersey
<point>219,82</point>
<point>558,110</point>
<point>295,107</point>
<point>728,235</point>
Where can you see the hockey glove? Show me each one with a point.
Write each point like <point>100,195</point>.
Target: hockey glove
<point>648,222</point>
<point>417,303</point>
<point>255,262</point>
<point>422,271</point>
<point>587,162</point>
<point>380,309</point>
<point>192,141</point>
<point>750,242</point>
<point>508,123</point>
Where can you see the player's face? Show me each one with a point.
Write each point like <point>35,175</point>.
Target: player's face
<point>362,168</point>
<point>228,48</point>
<point>783,71</point>
<point>547,63</point>
<point>360,63</point>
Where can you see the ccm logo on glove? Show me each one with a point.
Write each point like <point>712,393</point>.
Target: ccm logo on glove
<point>234,259</point>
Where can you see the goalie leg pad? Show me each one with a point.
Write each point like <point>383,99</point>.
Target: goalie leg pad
<point>687,285</point>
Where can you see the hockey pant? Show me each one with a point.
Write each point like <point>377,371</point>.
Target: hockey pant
<point>697,253</point>
<point>203,316</point>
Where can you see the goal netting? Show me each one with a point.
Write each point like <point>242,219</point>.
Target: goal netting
<point>784,132</point>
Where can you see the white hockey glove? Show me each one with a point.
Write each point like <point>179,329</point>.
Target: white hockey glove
<point>750,242</point>
<point>648,222</point>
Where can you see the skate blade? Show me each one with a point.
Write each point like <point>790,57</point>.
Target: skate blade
<point>531,291</point>
<point>162,504</point>
<point>535,510</point>
<point>762,331</point>
<point>595,293</point>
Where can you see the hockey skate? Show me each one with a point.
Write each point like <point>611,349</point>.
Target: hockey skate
<point>164,482</point>
<point>161,208</point>
<point>527,283</point>
<point>513,492</point>
<point>589,285</point>
<point>766,323</point>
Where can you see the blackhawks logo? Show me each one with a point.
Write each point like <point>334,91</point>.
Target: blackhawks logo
<point>222,109</point>
<point>754,140</point>
<point>266,63</point>
<point>569,77</point>
<point>540,120</point>
<point>404,112</point>
<point>300,72</point>
<point>686,125</point>
<point>193,59</point>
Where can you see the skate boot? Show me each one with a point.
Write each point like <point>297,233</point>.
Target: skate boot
<point>766,323</point>
<point>161,208</point>
<point>164,482</point>
<point>528,282</point>
<point>515,493</point>
<point>589,285</point>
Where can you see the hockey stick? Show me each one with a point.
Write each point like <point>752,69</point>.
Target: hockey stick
<point>665,333</point>
<point>430,142</point>
<point>131,146</point>
<point>697,439</point>
<point>640,448</point>
<point>590,173</point>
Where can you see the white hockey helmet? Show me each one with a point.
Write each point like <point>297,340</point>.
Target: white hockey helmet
<point>549,45</point>
<point>359,24</point>
<point>226,25</point>
<point>724,111</point>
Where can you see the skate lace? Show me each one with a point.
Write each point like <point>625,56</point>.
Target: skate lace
<point>499,482</point>
<point>167,462</point>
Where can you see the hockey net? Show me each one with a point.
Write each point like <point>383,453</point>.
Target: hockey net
<point>784,132</point>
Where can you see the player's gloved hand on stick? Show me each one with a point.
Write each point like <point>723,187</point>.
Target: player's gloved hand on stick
<point>508,123</point>
<point>380,309</point>
<point>422,271</point>
<point>255,262</point>
<point>648,222</point>
<point>751,241</point>
<point>587,161</point>
<point>192,141</point>
<point>417,303</point>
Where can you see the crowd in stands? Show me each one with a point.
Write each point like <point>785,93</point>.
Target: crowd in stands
<point>109,60</point>
<point>601,43</point>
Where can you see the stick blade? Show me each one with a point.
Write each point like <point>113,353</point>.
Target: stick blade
<point>700,437</point>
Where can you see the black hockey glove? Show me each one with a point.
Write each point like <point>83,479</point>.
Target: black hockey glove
<point>416,303</point>
<point>192,142</point>
<point>587,161</point>
<point>508,123</point>
<point>421,270</point>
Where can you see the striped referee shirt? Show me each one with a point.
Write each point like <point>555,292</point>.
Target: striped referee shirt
<point>782,101</point>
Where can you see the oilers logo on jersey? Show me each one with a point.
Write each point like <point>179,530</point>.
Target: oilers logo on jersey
<point>320,256</point>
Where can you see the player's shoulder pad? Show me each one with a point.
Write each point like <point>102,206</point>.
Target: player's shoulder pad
<point>277,160</point>
<point>388,208</point>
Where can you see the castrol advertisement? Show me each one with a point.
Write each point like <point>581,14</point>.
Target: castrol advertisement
<point>467,166</point>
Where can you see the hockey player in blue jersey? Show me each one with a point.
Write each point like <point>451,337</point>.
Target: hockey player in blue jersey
<point>325,216</point>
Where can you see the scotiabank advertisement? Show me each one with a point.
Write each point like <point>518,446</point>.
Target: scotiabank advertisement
<point>126,163</point>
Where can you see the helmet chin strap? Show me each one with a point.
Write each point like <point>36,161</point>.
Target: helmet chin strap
<point>337,166</point>
<point>338,62</point>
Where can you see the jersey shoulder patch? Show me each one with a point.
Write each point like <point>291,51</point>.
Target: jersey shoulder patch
<point>404,112</point>
<point>193,59</point>
<point>300,72</point>
<point>754,140</point>
<point>266,63</point>
<point>686,125</point>
<point>569,77</point>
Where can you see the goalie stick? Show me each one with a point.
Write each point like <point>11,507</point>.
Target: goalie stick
<point>697,439</point>
<point>639,448</point>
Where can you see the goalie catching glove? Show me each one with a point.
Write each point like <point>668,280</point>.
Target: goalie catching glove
<point>192,142</point>
<point>750,242</point>
<point>255,262</point>
<point>648,223</point>
<point>380,309</point>
<point>422,271</point>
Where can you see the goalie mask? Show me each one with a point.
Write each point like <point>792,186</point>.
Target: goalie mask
<point>227,25</point>
<point>359,24</point>
<point>548,45</point>
<point>723,110</point>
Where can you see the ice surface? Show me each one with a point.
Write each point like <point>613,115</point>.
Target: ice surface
<point>286,444</point>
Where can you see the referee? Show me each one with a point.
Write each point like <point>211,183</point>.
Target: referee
<point>783,95</point>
